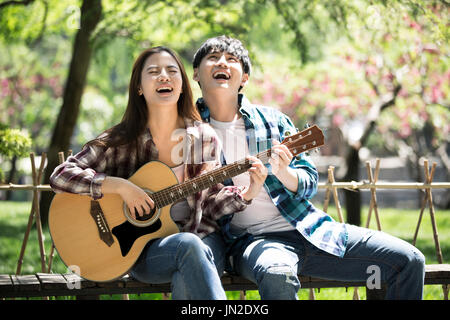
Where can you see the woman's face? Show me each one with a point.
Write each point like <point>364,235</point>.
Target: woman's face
<point>161,79</point>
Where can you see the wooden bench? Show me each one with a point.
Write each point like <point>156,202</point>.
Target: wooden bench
<point>48,284</point>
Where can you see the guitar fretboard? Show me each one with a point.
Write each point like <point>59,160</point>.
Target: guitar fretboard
<point>305,140</point>
<point>180,191</point>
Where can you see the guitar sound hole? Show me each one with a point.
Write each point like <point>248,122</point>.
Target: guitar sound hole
<point>145,216</point>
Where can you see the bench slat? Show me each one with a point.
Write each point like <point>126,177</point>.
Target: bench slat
<point>437,270</point>
<point>46,284</point>
<point>6,283</point>
<point>26,282</point>
<point>52,281</point>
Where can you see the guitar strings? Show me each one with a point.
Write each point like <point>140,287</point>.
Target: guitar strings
<point>176,192</point>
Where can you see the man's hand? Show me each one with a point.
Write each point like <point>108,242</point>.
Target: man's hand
<point>258,174</point>
<point>280,159</point>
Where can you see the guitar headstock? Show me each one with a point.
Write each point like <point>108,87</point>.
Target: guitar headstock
<point>305,140</point>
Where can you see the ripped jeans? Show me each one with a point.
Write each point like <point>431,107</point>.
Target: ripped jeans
<point>274,260</point>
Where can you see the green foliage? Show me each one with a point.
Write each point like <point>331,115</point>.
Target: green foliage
<point>14,142</point>
<point>310,58</point>
<point>313,24</point>
<point>384,46</point>
<point>29,23</point>
<point>31,87</point>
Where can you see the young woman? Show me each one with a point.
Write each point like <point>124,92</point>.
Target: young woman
<point>160,106</point>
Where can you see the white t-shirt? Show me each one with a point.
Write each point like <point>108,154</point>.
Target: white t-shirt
<point>261,215</point>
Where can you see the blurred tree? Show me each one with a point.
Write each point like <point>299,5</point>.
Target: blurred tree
<point>14,144</point>
<point>96,25</point>
<point>388,76</point>
<point>90,16</point>
<point>113,32</point>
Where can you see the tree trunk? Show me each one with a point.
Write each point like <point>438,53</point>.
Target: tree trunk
<point>91,12</point>
<point>12,173</point>
<point>352,197</point>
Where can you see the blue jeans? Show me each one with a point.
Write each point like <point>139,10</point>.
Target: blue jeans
<point>274,260</point>
<point>185,261</point>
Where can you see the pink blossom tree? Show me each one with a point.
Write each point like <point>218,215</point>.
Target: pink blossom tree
<point>389,82</point>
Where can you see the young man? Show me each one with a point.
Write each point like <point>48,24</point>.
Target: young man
<point>281,234</point>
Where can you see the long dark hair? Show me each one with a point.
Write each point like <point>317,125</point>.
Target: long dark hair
<point>135,118</point>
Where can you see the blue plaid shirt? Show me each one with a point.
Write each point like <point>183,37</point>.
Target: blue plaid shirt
<point>263,124</point>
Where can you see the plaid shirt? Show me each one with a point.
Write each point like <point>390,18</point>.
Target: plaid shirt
<point>263,124</point>
<point>84,173</point>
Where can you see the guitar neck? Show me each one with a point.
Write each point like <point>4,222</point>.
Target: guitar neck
<point>309,138</point>
<point>180,191</point>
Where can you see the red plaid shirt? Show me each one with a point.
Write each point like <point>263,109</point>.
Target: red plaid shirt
<point>84,173</point>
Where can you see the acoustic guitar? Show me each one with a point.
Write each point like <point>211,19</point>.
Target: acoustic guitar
<point>100,241</point>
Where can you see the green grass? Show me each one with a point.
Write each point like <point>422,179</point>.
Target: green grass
<point>398,222</point>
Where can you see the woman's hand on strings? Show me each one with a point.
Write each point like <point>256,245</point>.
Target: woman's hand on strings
<point>137,200</point>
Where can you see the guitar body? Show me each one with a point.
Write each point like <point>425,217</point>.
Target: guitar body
<point>79,236</point>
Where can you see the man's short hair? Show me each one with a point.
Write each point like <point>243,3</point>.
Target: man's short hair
<point>223,44</point>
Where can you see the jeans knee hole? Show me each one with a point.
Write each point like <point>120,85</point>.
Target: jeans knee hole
<point>284,271</point>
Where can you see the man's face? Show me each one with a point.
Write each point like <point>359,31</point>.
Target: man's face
<point>220,71</point>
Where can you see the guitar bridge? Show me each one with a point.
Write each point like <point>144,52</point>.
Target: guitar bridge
<point>100,222</point>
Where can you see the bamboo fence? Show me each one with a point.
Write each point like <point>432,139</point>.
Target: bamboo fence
<point>331,187</point>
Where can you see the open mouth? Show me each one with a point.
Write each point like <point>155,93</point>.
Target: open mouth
<point>221,75</point>
<point>164,89</point>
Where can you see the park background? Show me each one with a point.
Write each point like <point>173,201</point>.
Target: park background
<point>373,74</point>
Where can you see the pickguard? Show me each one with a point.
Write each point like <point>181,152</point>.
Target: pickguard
<point>126,234</point>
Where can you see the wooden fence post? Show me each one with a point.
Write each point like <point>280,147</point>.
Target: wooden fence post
<point>373,178</point>
<point>34,215</point>
<point>428,199</point>
<point>331,180</point>
<point>52,250</point>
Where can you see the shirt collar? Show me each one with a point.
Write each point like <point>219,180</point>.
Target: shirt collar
<point>244,107</point>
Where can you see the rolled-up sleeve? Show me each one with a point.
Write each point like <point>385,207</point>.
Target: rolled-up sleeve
<point>308,176</point>
<point>81,174</point>
<point>307,179</point>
